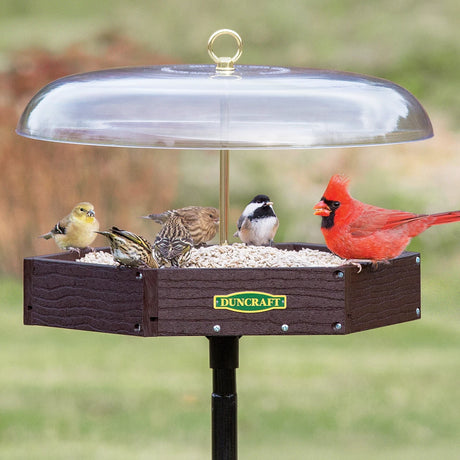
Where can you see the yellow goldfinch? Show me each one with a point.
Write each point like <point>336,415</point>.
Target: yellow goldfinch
<point>75,231</point>
<point>201,222</point>
<point>130,249</point>
<point>172,245</point>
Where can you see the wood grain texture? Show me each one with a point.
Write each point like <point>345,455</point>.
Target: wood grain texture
<point>389,295</point>
<point>315,300</point>
<point>80,296</point>
<point>60,292</point>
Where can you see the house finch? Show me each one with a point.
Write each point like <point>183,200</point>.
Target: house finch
<point>130,249</point>
<point>355,230</point>
<point>75,231</point>
<point>173,243</point>
<point>201,222</point>
<point>258,223</point>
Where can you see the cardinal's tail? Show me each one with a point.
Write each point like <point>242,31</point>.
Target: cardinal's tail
<point>445,217</point>
<point>420,222</point>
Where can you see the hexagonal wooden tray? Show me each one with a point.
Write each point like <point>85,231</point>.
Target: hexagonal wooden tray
<point>60,292</point>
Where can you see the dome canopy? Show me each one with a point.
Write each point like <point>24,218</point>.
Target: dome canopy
<point>195,107</point>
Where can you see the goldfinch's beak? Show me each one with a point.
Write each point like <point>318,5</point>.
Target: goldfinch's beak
<point>90,213</point>
<point>321,209</point>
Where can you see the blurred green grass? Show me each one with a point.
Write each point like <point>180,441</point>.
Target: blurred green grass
<point>386,393</point>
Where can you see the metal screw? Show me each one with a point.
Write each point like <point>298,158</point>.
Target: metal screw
<point>138,275</point>
<point>337,326</point>
<point>339,274</point>
<point>216,328</point>
<point>284,327</point>
<point>417,312</point>
<point>417,260</point>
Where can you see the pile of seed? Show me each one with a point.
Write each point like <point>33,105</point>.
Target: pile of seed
<point>98,257</point>
<point>238,255</point>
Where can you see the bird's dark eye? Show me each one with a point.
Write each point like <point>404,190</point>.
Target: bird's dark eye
<point>335,204</point>
<point>82,209</point>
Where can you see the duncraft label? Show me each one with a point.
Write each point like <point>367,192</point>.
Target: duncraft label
<point>249,302</point>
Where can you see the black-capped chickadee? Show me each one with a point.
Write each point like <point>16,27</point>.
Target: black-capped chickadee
<point>258,223</point>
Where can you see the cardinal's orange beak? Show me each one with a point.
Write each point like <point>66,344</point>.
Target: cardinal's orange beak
<point>321,209</point>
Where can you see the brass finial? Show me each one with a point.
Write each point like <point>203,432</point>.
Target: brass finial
<point>225,65</point>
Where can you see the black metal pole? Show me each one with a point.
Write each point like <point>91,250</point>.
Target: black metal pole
<point>223,357</point>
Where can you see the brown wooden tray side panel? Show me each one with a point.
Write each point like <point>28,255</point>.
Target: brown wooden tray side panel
<point>150,310</point>
<point>28,289</point>
<point>59,292</point>
<point>388,295</point>
<point>315,301</point>
<point>79,296</point>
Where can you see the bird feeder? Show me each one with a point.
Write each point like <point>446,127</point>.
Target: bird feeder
<point>222,107</point>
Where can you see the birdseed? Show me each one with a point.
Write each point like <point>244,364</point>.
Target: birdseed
<point>238,255</point>
<point>98,257</point>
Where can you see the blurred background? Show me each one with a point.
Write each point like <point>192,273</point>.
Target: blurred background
<point>69,394</point>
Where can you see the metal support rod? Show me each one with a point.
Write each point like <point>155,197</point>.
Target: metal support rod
<point>223,197</point>
<point>223,357</point>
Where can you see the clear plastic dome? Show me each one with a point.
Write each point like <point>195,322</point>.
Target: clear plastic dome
<point>193,107</point>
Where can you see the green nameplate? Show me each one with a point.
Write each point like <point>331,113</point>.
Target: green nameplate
<point>249,302</point>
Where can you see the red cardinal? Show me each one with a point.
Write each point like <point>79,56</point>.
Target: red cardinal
<point>355,230</point>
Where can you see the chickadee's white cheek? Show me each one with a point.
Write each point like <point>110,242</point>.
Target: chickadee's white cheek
<point>250,208</point>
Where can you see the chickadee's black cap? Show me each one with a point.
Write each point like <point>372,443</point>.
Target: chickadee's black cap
<point>260,199</point>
